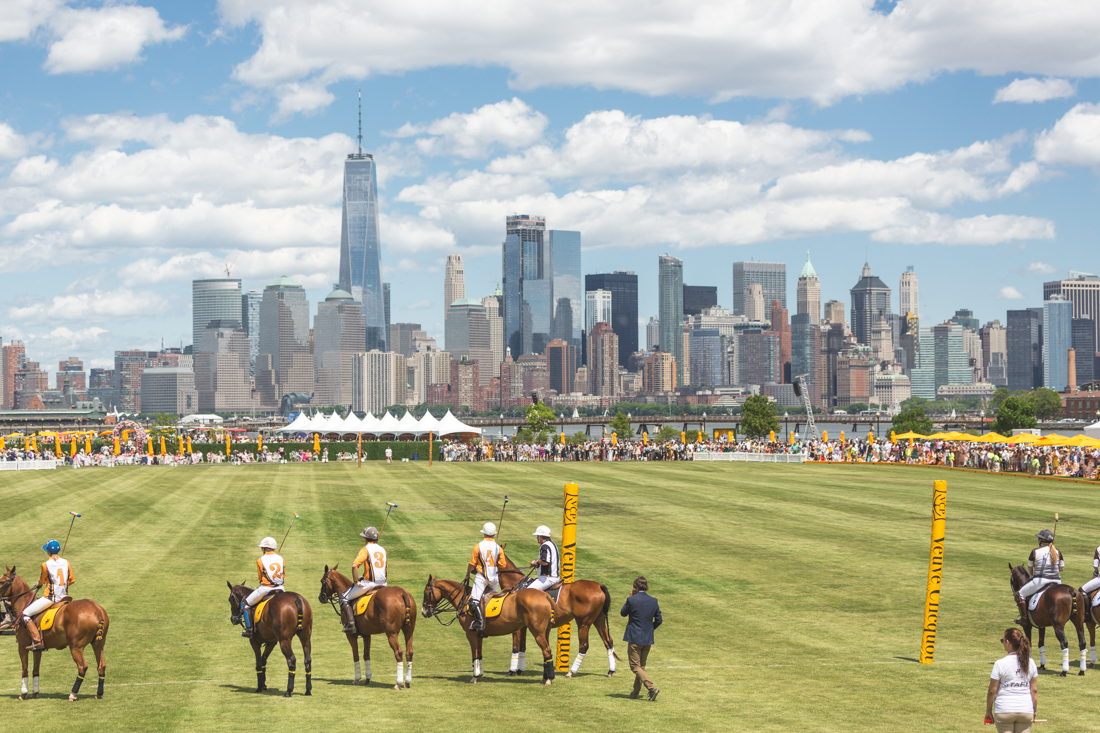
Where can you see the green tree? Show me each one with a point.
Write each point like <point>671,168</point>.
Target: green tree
<point>758,417</point>
<point>620,425</point>
<point>667,433</point>
<point>999,396</point>
<point>913,402</point>
<point>1016,413</point>
<point>540,418</point>
<point>913,420</point>
<point>1046,402</point>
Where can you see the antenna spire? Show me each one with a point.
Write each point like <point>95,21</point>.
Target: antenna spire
<point>360,120</point>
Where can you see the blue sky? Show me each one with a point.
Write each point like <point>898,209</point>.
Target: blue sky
<point>146,144</point>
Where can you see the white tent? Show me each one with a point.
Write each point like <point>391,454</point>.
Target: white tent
<point>451,425</point>
<point>331,424</point>
<point>387,425</point>
<point>368,424</point>
<point>429,424</point>
<point>1093,431</point>
<point>350,424</point>
<point>300,425</point>
<point>407,425</point>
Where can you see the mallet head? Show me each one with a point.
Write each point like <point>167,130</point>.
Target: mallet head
<point>75,514</point>
<point>390,503</point>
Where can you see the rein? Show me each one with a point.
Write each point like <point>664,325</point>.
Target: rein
<point>439,608</point>
<point>329,598</point>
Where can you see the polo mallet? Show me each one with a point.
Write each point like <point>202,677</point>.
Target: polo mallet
<point>75,515</point>
<point>391,506</point>
<point>287,532</point>
<point>501,522</point>
<point>1055,532</point>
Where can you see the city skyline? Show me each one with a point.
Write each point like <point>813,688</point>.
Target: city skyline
<point>130,170</point>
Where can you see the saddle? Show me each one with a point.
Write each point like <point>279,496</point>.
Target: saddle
<point>45,619</point>
<point>362,603</point>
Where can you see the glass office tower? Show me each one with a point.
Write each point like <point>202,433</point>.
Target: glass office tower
<point>670,295</point>
<point>565,252</point>
<point>623,286</point>
<point>1057,341</point>
<point>527,264</point>
<point>771,276</point>
<point>360,249</point>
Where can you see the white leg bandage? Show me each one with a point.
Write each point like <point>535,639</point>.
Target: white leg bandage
<point>366,669</point>
<point>477,668</point>
<point>522,661</point>
<point>400,673</point>
<point>358,672</point>
<point>23,687</point>
<point>1084,660</point>
<point>408,673</point>
<point>611,660</point>
<point>34,685</point>
<point>515,662</point>
<point>1093,650</point>
<point>1065,659</point>
<point>1042,656</point>
<point>577,663</point>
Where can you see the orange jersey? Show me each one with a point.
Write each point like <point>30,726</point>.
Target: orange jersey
<point>374,562</point>
<point>271,569</point>
<point>57,576</point>
<point>487,554</point>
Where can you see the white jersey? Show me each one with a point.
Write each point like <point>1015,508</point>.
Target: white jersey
<point>1040,565</point>
<point>486,557</point>
<point>58,572</point>
<point>374,560</point>
<point>272,569</point>
<point>1096,562</point>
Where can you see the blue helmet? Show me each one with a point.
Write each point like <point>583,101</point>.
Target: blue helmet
<point>53,547</point>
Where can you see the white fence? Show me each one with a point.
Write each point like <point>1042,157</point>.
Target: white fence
<point>752,457</point>
<point>29,465</point>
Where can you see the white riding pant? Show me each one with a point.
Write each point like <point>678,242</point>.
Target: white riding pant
<point>1034,585</point>
<point>37,607</point>
<point>360,589</point>
<point>543,582</point>
<point>258,595</point>
<point>480,584</point>
<point>1092,585</point>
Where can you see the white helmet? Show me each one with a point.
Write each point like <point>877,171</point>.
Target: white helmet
<point>489,530</point>
<point>269,543</point>
<point>542,531</point>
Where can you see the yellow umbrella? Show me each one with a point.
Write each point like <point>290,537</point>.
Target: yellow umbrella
<point>72,446</point>
<point>88,444</point>
<point>316,443</point>
<point>936,436</point>
<point>910,435</point>
<point>117,451</point>
<point>162,451</point>
<point>1023,438</point>
<point>1052,440</point>
<point>1,442</point>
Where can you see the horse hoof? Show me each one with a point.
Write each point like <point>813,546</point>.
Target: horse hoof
<point>408,685</point>
<point>72,698</point>
<point>1081,673</point>
<point>609,674</point>
<point>547,683</point>
<point>286,694</point>
<point>34,695</point>
<point>1063,674</point>
<point>22,697</point>
<point>309,694</point>
<point>569,674</point>
<point>98,697</point>
<point>473,681</point>
<point>1042,666</point>
<point>366,682</point>
<point>397,687</point>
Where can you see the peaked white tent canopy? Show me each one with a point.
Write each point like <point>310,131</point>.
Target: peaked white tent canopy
<point>300,424</point>
<point>407,425</point>
<point>451,425</point>
<point>428,424</point>
<point>387,425</point>
<point>1093,431</point>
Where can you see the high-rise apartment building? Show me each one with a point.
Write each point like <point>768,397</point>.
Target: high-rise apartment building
<point>379,380</point>
<point>339,333</point>
<point>561,358</point>
<point>670,311</point>
<point>882,340</point>
<point>624,307</point>
<point>13,356</point>
<point>403,335</point>
<point>652,334</point>
<point>942,360</point>
<point>755,307</point>
<point>169,391</point>
<point>698,298</point>
<point>992,335</point>
<point>250,321</point>
<point>758,357</point>
<point>1057,341</point>
<point>771,276</point>
<point>1083,291</point>
<point>128,368</point>
<point>467,334</point>
<point>221,378</point>
<point>214,299</point>
<point>806,355</point>
<point>908,293</point>
<point>386,310</point>
<point>834,313</point>
<point>528,268</point>
<point>659,373</point>
<point>494,307</point>
<point>565,248</point>
<point>597,309</point>
<point>454,282</point>
<point>809,292</point>
<point>466,388</point>
<point>603,359</point>
<point>284,341</point>
<point>870,299</point>
<point>707,353</point>
<point>782,327</point>
<point>360,243</point>
<point>1084,348</point>
<point>70,376</point>
<point>1024,355</point>
<point>429,367</point>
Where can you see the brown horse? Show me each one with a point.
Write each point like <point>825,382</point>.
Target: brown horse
<point>530,609</point>
<point>75,625</point>
<point>392,610</point>
<point>1060,603</point>
<point>1092,619</point>
<point>285,616</point>
<point>585,601</point>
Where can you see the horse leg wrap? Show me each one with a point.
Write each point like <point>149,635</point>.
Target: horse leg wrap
<point>577,663</point>
<point>1042,656</point>
<point>289,682</point>
<point>408,673</point>
<point>477,668</point>
<point>1093,652</point>
<point>34,685</point>
<point>548,670</point>
<point>1065,659</point>
<point>23,687</point>
<point>1084,660</point>
<point>514,665</point>
<point>99,688</point>
<point>366,670</point>
<point>611,660</point>
<point>522,661</point>
<point>400,673</point>
<point>358,675</point>
<point>76,685</point>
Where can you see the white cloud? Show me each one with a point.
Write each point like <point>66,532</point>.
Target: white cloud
<point>420,305</point>
<point>19,19</point>
<point>94,39</point>
<point>510,124</point>
<point>710,48</point>
<point>12,144</point>
<point>1074,140</point>
<point>1041,268</point>
<point>1009,293</point>
<point>114,305</point>
<point>1029,91</point>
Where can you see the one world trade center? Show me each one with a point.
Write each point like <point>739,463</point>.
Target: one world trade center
<point>360,253</point>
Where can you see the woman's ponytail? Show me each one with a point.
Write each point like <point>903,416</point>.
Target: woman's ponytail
<point>1022,647</point>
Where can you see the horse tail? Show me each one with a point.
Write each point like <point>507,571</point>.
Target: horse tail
<point>102,622</point>
<point>409,622</point>
<point>607,619</point>
<point>298,603</point>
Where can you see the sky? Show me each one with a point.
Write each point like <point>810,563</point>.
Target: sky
<point>145,144</point>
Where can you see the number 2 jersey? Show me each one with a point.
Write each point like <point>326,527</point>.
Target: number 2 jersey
<point>57,575</point>
<point>374,561</point>
<point>271,568</point>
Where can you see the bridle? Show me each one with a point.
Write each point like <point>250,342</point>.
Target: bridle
<point>327,597</point>
<point>435,610</point>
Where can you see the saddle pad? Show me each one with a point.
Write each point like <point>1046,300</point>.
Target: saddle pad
<point>492,608</point>
<point>46,621</point>
<point>260,609</point>
<point>1033,602</point>
<point>1096,599</point>
<point>553,593</point>
<point>363,603</point>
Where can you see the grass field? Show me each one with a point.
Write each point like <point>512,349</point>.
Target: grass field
<point>792,595</point>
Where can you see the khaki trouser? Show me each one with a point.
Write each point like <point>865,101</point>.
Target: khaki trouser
<point>637,654</point>
<point>1013,722</point>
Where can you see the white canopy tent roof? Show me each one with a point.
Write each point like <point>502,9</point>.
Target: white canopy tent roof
<point>451,425</point>
<point>301,424</point>
<point>331,424</point>
<point>428,424</point>
<point>407,424</point>
<point>368,423</point>
<point>1093,431</point>
<point>388,424</point>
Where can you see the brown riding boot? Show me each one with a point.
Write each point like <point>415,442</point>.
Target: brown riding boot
<point>348,616</point>
<point>36,636</point>
<point>1021,604</point>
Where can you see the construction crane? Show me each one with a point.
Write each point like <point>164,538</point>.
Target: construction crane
<point>800,391</point>
<point>229,267</point>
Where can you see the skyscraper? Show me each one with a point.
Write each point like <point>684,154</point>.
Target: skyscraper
<point>565,249</point>
<point>870,299</point>
<point>758,357</point>
<point>624,307</point>
<point>908,295</point>
<point>284,364</point>
<point>454,282</point>
<point>339,333</point>
<point>467,333</point>
<point>755,307</point>
<point>782,327</point>
<point>1057,341</point>
<point>652,334</point>
<point>402,336</point>
<point>494,305</point>
<point>360,246</point>
<point>1083,290</point>
<point>1022,344</point>
<point>698,298</point>
<point>707,350</point>
<point>597,308</point>
<point>561,358</point>
<point>1084,347</point>
<point>603,359</point>
<point>670,311</point>
<point>528,270</point>
<point>805,355</point>
<point>809,292</point>
<point>771,276</point>
<point>213,299</point>
<point>942,360</point>
<point>250,321</point>
<point>386,308</point>
<point>222,366</point>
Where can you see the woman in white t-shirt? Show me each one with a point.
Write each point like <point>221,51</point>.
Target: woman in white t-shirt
<point>1013,698</point>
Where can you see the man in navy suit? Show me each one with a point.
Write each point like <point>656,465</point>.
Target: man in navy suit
<point>645,616</point>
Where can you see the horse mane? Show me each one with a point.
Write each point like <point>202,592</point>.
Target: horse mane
<point>1019,576</point>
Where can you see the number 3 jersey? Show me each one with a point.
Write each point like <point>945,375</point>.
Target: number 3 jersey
<point>56,576</point>
<point>373,559</point>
